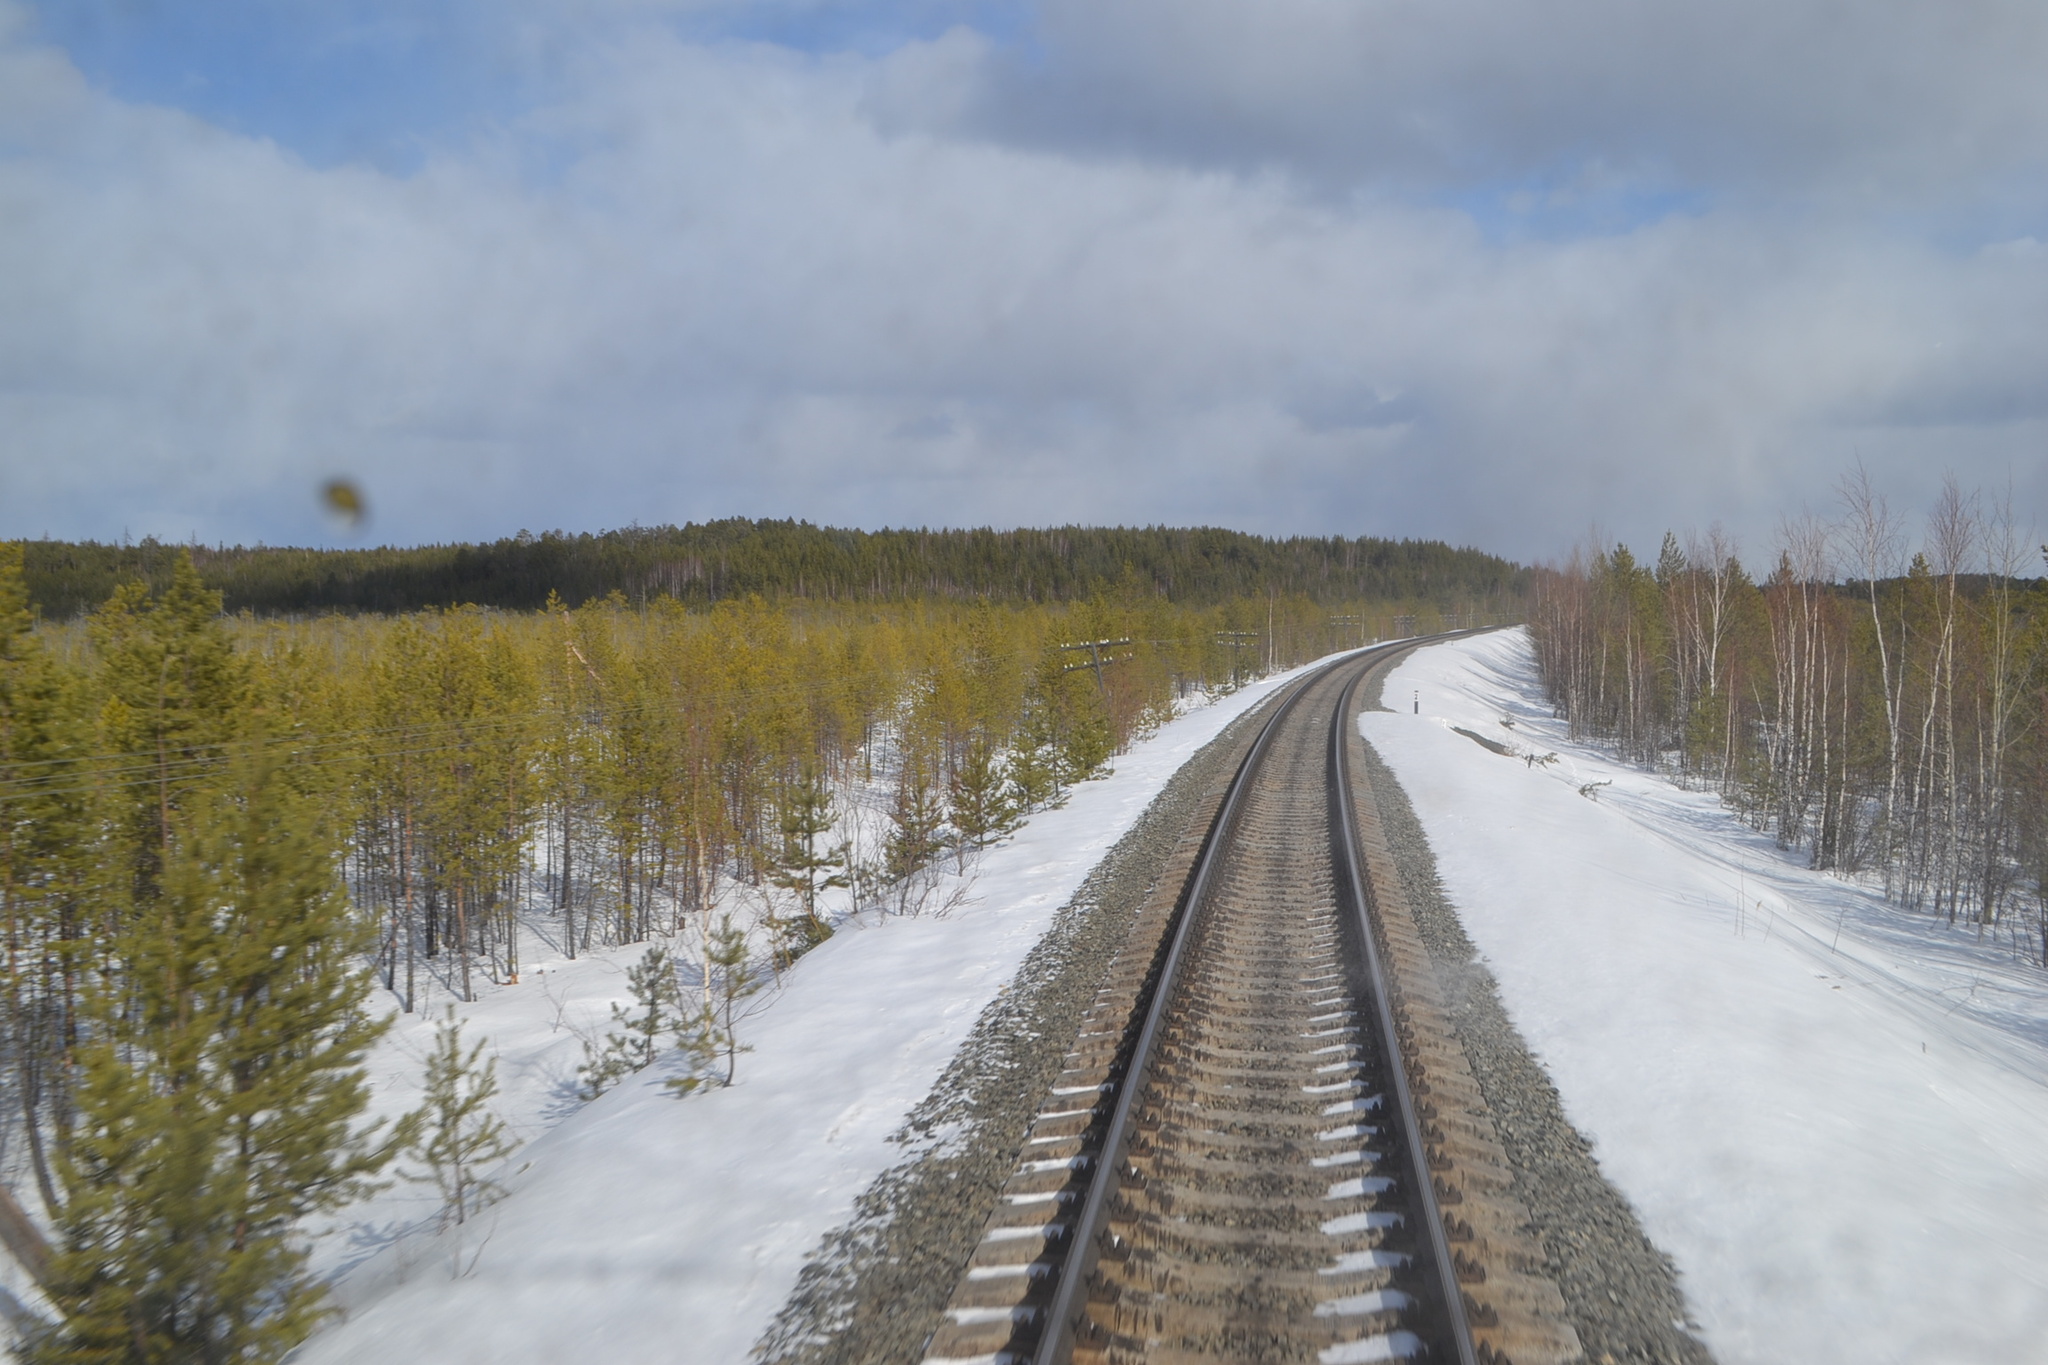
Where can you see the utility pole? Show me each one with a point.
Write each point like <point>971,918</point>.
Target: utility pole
<point>1096,661</point>
<point>1236,640</point>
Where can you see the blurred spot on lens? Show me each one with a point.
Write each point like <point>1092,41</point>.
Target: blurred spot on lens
<point>343,501</point>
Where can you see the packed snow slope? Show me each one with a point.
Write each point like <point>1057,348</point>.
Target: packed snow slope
<point>1831,1112</point>
<point>642,1228</point>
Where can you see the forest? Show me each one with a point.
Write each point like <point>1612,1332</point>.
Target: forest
<point>700,564</point>
<point>1874,697</point>
<point>231,846</point>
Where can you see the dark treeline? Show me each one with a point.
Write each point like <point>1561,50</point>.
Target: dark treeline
<point>720,560</point>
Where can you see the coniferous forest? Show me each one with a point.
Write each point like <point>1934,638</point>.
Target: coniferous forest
<point>1872,693</point>
<point>232,845</point>
<point>701,564</point>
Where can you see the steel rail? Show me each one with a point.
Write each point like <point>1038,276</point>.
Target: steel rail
<point>1056,1339</point>
<point>1351,883</point>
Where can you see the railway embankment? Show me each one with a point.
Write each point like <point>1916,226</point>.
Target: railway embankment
<point>1127,1121</point>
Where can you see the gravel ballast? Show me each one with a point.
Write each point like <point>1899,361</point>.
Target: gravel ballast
<point>1621,1291</point>
<point>873,1292</point>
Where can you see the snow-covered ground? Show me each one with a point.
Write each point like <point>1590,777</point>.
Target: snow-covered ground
<point>1833,1114</point>
<point>645,1228</point>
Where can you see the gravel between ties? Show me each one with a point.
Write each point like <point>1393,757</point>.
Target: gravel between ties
<point>1622,1292</point>
<point>874,1290</point>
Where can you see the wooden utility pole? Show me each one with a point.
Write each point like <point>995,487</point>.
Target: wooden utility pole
<point>1235,640</point>
<point>1095,659</point>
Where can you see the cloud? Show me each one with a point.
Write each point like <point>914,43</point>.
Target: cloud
<point>713,276</point>
<point>1885,102</point>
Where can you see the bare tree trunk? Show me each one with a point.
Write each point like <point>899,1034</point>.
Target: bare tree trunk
<point>405,876</point>
<point>568,884</point>
<point>1874,534</point>
<point>462,936</point>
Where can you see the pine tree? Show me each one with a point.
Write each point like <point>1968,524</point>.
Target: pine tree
<point>1670,561</point>
<point>800,865</point>
<point>1088,740</point>
<point>916,819</point>
<point>458,1132</point>
<point>984,806</point>
<point>175,691</point>
<point>221,1080</point>
<point>50,868</point>
<point>1034,764</point>
<point>653,983</point>
<point>730,982</point>
<point>1041,766</point>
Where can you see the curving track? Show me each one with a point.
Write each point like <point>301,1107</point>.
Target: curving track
<point>1275,1188</point>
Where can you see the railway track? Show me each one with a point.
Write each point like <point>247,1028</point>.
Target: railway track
<point>1261,1148</point>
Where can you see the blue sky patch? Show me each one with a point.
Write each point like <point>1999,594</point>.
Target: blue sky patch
<point>383,82</point>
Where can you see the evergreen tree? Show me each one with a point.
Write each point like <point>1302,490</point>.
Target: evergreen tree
<point>697,1034</point>
<point>653,983</point>
<point>174,691</point>
<point>800,865</point>
<point>221,1080</point>
<point>721,560</point>
<point>457,1132</point>
<point>1670,561</point>
<point>50,868</point>
<point>1034,763</point>
<point>1087,738</point>
<point>916,819</point>
<point>729,982</point>
<point>984,807</point>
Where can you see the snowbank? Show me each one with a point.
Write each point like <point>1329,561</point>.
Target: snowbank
<point>642,1228</point>
<point>1833,1114</point>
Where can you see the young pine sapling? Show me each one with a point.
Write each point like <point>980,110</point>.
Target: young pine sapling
<point>458,1133</point>
<point>984,805</point>
<point>727,983</point>
<point>633,1045</point>
<point>801,865</point>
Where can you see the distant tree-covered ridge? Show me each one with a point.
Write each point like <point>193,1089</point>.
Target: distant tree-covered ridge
<point>713,561</point>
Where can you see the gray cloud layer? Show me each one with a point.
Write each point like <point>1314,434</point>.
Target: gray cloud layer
<point>1882,101</point>
<point>1191,261</point>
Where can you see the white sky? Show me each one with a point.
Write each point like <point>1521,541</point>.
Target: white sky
<point>1484,270</point>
